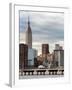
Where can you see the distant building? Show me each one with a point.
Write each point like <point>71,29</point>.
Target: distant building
<point>23,56</point>
<point>32,56</point>
<point>35,58</point>
<point>40,60</point>
<point>45,51</point>
<point>50,57</point>
<point>45,48</point>
<point>57,47</point>
<point>59,57</point>
<point>29,35</point>
<point>61,48</point>
<point>35,53</point>
<point>49,61</point>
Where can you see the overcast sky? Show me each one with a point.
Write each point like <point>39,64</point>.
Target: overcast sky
<point>46,28</point>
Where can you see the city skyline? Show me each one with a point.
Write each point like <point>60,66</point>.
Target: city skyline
<point>46,28</point>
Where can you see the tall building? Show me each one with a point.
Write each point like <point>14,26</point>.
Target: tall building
<point>45,51</point>
<point>59,57</point>
<point>23,56</point>
<point>45,48</point>
<point>29,35</point>
<point>32,55</point>
<point>57,47</point>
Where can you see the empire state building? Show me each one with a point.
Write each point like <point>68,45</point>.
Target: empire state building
<point>29,35</point>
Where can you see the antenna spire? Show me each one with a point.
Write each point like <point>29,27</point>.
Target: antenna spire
<point>28,20</point>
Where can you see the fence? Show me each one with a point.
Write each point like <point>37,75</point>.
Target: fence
<point>41,72</point>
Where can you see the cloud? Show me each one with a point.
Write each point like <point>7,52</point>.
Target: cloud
<point>46,28</point>
<point>40,18</point>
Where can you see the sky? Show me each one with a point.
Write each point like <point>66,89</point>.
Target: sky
<point>47,27</point>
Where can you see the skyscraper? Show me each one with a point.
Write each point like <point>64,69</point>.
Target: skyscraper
<point>45,51</point>
<point>59,56</point>
<point>29,35</point>
<point>45,48</point>
<point>23,56</point>
<point>57,47</point>
<point>32,54</point>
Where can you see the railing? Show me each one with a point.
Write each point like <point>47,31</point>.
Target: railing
<point>41,72</point>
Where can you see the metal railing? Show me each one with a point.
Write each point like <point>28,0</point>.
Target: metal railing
<point>41,72</point>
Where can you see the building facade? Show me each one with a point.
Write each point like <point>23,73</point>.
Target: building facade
<point>57,47</point>
<point>23,56</point>
<point>45,49</point>
<point>32,56</point>
<point>59,57</point>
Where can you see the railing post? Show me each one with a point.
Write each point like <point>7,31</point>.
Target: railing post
<point>32,73</point>
<point>24,72</point>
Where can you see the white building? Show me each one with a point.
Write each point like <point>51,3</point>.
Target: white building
<point>59,57</point>
<point>32,53</point>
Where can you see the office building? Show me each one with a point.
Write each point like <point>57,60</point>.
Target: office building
<point>32,55</point>
<point>23,56</point>
<point>59,57</point>
<point>57,47</point>
<point>45,49</point>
